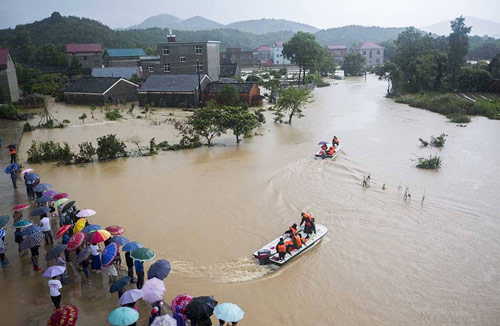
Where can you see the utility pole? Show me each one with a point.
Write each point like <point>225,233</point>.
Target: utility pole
<point>199,81</point>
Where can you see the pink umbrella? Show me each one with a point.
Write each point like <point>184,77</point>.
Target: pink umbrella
<point>27,171</point>
<point>60,196</point>
<point>182,301</point>
<point>153,290</point>
<point>85,213</point>
<point>75,241</point>
<point>20,207</point>
<point>115,230</point>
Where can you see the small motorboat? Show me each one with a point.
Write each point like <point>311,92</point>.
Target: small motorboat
<point>321,154</point>
<point>268,255</point>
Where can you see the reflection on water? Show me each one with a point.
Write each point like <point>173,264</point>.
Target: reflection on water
<point>387,261</point>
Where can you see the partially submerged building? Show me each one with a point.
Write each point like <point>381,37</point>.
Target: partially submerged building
<point>247,92</point>
<point>122,57</point>
<point>373,53</point>
<point>88,55</point>
<point>169,90</point>
<point>100,90</point>
<point>338,52</point>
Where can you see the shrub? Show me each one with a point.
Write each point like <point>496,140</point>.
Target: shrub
<point>433,162</point>
<point>83,117</point>
<point>49,152</point>
<point>87,153</point>
<point>459,118</point>
<point>27,127</point>
<point>110,147</point>
<point>113,115</point>
<point>439,140</point>
<point>7,111</point>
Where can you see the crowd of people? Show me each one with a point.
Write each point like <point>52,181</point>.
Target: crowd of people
<point>92,246</point>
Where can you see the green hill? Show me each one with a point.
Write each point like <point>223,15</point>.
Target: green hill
<point>348,35</point>
<point>264,26</point>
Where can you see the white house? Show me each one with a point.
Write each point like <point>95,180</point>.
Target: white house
<point>373,53</point>
<point>277,54</point>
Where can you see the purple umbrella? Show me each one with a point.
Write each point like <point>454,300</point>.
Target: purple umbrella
<point>153,290</point>
<point>54,271</point>
<point>322,143</point>
<point>50,193</point>
<point>130,296</point>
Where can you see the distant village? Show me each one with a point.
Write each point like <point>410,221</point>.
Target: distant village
<point>183,74</point>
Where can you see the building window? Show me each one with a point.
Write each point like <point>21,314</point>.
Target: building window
<point>364,52</point>
<point>378,52</point>
<point>199,66</point>
<point>84,57</point>
<point>198,49</point>
<point>151,69</point>
<point>378,60</point>
<point>183,59</point>
<point>371,53</point>
<point>166,50</point>
<point>166,67</point>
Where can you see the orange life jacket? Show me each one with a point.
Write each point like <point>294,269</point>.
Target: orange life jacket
<point>298,239</point>
<point>335,140</point>
<point>12,151</point>
<point>332,151</point>
<point>324,147</point>
<point>308,219</point>
<point>293,230</point>
<point>281,248</point>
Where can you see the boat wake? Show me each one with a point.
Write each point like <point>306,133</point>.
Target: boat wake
<point>241,270</point>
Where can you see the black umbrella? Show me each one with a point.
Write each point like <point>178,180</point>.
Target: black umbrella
<point>120,284</point>
<point>159,269</point>
<point>84,254</point>
<point>200,308</point>
<point>67,206</point>
<point>40,211</point>
<point>55,252</point>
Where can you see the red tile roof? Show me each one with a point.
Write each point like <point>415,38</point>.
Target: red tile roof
<point>337,47</point>
<point>263,48</point>
<point>279,43</point>
<point>368,45</point>
<point>83,48</point>
<point>4,58</point>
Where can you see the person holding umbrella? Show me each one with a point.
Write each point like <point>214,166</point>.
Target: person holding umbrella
<point>13,153</point>
<point>13,177</point>
<point>96,259</point>
<point>18,238</point>
<point>46,229</point>
<point>139,270</point>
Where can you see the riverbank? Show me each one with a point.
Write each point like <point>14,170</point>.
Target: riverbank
<point>452,104</point>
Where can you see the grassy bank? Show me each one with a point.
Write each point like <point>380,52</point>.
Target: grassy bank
<point>450,104</point>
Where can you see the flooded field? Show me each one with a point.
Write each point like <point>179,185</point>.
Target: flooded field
<point>385,261</point>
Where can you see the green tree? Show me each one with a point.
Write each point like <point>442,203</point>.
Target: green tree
<point>74,67</point>
<point>83,117</point>
<point>494,67</point>
<point>390,72</point>
<point>324,63</point>
<point>354,64</point>
<point>208,122</point>
<point>135,79</point>
<point>302,50</point>
<point>291,102</point>
<point>228,95</point>
<point>473,80</point>
<point>110,147</point>
<point>430,70</point>
<point>459,46</point>
<point>241,121</point>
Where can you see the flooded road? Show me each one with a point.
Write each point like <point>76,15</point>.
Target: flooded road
<point>385,261</point>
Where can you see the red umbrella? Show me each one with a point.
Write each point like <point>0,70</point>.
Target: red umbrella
<point>64,316</point>
<point>75,241</point>
<point>115,230</point>
<point>20,207</point>
<point>98,236</point>
<point>62,231</point>
<point>60,196</point>
<point>181,300</point>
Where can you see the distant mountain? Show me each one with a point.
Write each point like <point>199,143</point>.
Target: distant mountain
<point>480,27</point>
<point>198,23</point>
<point>160,21</point>
<point>263,26</point>
<point>351,34</point>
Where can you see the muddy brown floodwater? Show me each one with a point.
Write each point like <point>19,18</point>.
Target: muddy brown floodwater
<point>385,261</point>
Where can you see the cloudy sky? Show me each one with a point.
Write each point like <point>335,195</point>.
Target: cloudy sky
<point>319,13</point>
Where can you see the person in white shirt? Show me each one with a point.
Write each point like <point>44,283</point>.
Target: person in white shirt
<point>96,259</point>
<point>55,295</point>
<point>47,232</point>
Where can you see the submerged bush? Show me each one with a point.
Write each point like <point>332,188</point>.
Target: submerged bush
<point>110,147</point>
<point>27,127</point>
<point>113,115</point>
<point>87,153</point>
<point>459,118</point>
<point>433,162</point>
<point>439,140</point>
<point>40,152</point>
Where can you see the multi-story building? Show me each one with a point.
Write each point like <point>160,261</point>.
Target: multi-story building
<point>88,55</point>
<point>183,58</point>
<point>122,57</point>
<point>263,52</point>
<point>244,59</point>
<point>9,90</point>
<point>373,53</point>
<point>149,65</point>
<point>338,52</point>
<point>277,54</point>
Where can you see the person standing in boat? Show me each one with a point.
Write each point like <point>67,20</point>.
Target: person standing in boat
<point>282,249</point>
<point>335,140</point>
<point>309,227</point>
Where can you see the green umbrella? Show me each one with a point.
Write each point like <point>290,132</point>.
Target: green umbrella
<point>123,316</point>
<point>142,254</point>
<point>61,201</point>
<point>21,224</point>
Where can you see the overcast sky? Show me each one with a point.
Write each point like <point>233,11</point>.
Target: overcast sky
<point>319,13</point>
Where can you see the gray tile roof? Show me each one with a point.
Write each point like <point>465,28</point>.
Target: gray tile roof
<point>171,83</point>
<point>228,70</point>
<point>96,85</point>
<point>124,72</point>
<point>242,88</point>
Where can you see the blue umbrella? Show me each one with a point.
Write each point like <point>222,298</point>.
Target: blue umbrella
<point>229,312</point>
<point>10,167</point>
<point>120,240</point>
<point>39,211</point>
<point>21,224</point>
<point>42,187</point>
<point>2,233</point>
<point>4,219</point>
<point>322,143</point>
<point>120,284</point>
<point>32,176</point>
<point>131,246</point>
<point>109,254</point>
<point>91,227</point>
<point>32,229</point>
<point>43,200</point>
<point>31,241</point>
<point>123,316</point>
<point>159,269</point>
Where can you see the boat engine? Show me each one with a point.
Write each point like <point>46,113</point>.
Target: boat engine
<point>264,256</point>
